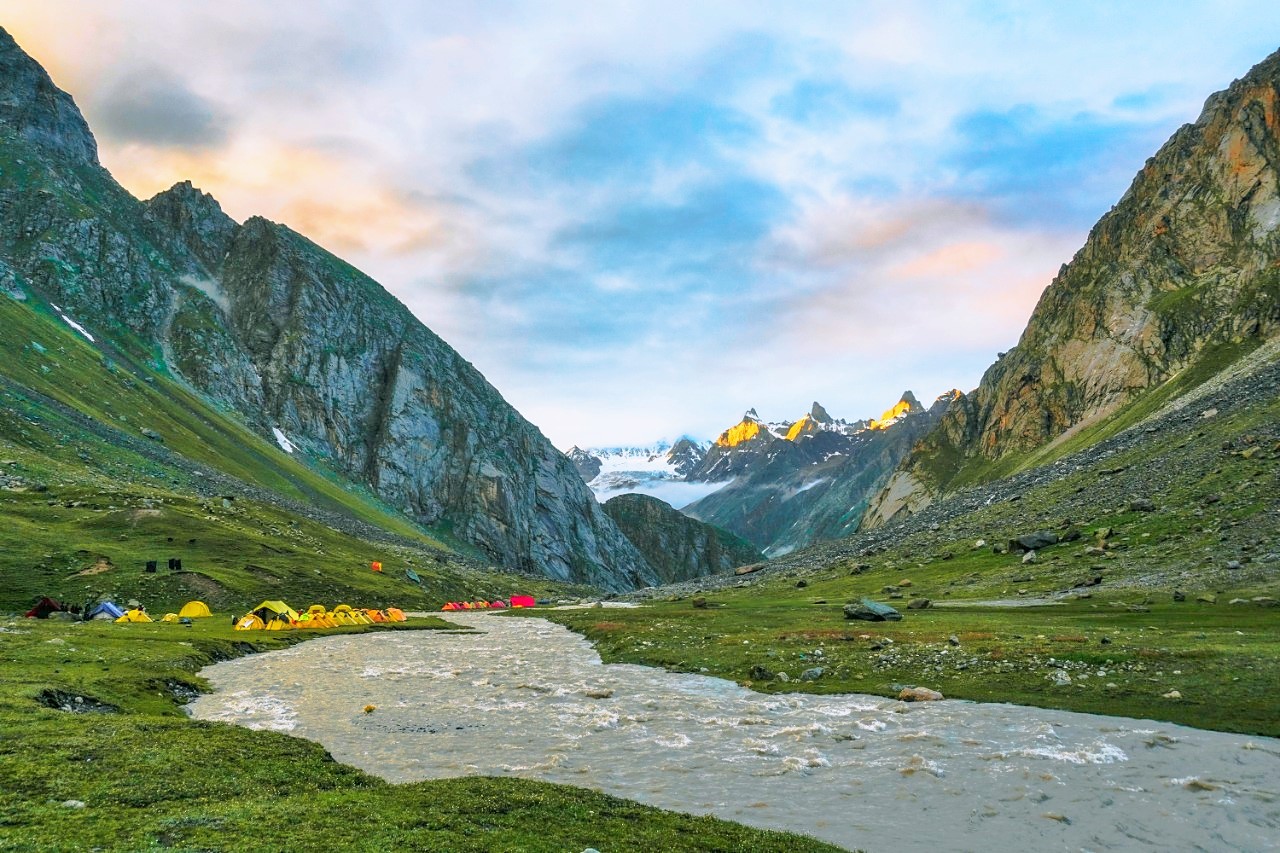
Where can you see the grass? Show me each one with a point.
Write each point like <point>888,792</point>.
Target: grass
<point>149,778</point>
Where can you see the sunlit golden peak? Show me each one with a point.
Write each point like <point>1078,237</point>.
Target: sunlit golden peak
<point>745,430</point>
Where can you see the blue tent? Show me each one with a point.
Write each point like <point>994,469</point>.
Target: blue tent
<point>106,610</point>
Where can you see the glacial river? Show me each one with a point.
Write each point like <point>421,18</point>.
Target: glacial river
<point>528,698</point>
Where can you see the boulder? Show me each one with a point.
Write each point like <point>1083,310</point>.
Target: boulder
<point>746,570</point>
<point>919,604</point>
<point>812,674</point>
<point>1142,505</point>
<point>919,694</point>
<point>871,611</point>
<point>700,603</point>
<point>761,673</point>
<point>1033,541</point>
<point>1207,598</point>
<point>1179,595</point>
<point>1029,557</point>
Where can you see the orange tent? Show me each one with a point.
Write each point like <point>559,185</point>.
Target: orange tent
<point>452,605</point>
<point>395,614</point>
<point>376,615</point>
<point>376,566</point>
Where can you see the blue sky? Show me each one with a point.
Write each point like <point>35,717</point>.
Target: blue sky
<point>641,219</point>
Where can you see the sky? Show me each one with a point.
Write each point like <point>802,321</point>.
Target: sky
<point>639,220</point>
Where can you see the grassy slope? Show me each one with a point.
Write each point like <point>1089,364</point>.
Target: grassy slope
<point>1217,490</point>
<point>149,778</point>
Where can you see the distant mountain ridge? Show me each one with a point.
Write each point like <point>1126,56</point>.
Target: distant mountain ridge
<point>301,344</point>
<point>778,485</point>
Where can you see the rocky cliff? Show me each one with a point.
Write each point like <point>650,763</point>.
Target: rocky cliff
<point>264,321</point>
<point>678,547</point>
<point>1182,275</point>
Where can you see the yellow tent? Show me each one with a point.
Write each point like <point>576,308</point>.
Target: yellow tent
<point>268,610</point>
<point>395,614</point>
<point>194,610</point>
<point>169,617</point>
<point>249,622</point>
<point>134,616</point>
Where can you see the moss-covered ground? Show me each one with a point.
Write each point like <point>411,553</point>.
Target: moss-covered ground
<point>136,774</point>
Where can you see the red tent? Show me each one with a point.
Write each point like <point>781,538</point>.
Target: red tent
<point>522,601</point>
<point>44,607</point>
<point>497,602</point>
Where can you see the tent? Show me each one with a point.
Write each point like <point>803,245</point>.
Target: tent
<point>497,602</point>
<point>249,622</point>
<point>106,610</point>
<point>134,615</point>
<point>275,610</point>
<point>522,601</point>
<point>195,610</point>
<point>452,605</point>
<point>169,617</point>
<point>413,576</point>
<point>395,614</point>
<point>376,615</point>
<point>44,607</point>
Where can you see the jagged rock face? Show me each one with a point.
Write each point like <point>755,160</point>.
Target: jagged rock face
<point>266,322</point>
<point>742,446</point>
<point>685,456</point>
<point>1186,262</point>
<point>679,548</point>
<point>588,466</point>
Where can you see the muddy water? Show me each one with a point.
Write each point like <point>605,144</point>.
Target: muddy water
<point>528,698</point>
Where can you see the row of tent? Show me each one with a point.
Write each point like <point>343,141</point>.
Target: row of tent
<point>278,616</point>
<point>514,601</point>
<point>111,610</point>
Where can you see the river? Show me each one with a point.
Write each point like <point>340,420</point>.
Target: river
<point>531,699</point>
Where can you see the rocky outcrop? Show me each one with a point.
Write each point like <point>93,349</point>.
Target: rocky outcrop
<point>587,465</point>
<point>265,322</point>
<point>678,547</point>
<point>1180,277</point>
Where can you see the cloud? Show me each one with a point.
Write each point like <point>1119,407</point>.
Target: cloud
<point>153,107</point>
<point>828,103</point>
<point>1034,164</point>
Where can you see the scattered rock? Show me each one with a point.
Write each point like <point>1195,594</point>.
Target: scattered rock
<point>1265,601</point>
<point>812,674</point>
<point>919,694</point>
<point>1172,694</point>
<point>1029,557</point>
<point>1238,601</point>
<point>761,673</point>
<point>870,611</point>
<point>700,603</point>
<point>919,604</point>
<point>1102,534</point>
<point>147,432</point>
<point>1207,598</point>
<point>1142,505</point>
<point>73,804</point>
<point>801,584</point>
<point>904,583</point>
<point>1095,551</point>
<point>746,570</point>
<point>1234,565</point>
<point>598,692</point>
<point>981,543</point>
<point>953,640</point>
<point>783,677</point>
<point>1060,678</point>
<point>1179,595</point>
<point>1033,541</point>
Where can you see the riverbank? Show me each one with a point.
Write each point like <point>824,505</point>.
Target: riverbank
<point>125,769</point>
<point>1211,667</point>
<point>526,698</point>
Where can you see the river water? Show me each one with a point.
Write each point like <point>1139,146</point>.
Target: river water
<point>531,699</point>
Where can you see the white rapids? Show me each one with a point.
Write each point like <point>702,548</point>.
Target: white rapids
<point>529,698</point>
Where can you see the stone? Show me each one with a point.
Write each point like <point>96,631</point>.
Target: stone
<point>812,674</point>
<point>783,677</point>
<point>1207,598</point>
<point>801,584</point>
<point>1094,551</point>
<point>1172,694</point>
<point>73,804</point>
<point>981,543</point>
<point>870,611</point>
<point>1238,601</point>
<point>919,604</point>
<point>1033,541</point>
<point>746,570</point>
<point>953,640</point>
<point>1060,677</point>
<point>904,583</point>
<point>1234,565</point>
<point>700,603</point>
<point>1029,557</point>
<point>1142,505</point>
<point>1265,601</point>
<point>1102,534</point>
<point>147,432</point>
<point>919,694</point>
<point>761,673</point>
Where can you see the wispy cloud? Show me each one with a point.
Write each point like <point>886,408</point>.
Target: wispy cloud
<point>639,219</point>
